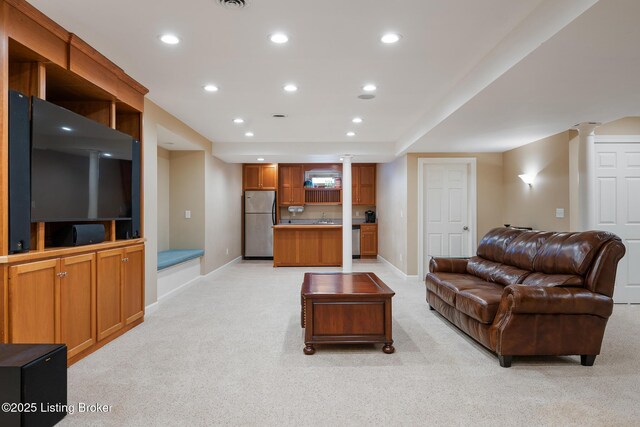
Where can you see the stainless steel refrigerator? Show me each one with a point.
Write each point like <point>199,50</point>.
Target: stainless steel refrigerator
<point>259,218</point>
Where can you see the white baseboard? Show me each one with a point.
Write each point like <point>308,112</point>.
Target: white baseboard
<point>151,308</point>
<point>397,270</point>
<point>233,261</point>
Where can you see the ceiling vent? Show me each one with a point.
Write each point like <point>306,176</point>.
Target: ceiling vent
<point>233,4</point>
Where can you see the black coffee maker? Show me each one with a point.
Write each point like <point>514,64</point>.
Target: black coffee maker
<point>369,216</point>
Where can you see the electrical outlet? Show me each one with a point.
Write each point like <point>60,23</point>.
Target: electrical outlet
<point>559,213</point>
<point>401,214</point>
<point>227,251</point>
<point>357,213</point>
<point>187,214</point>
<point>400,256</point>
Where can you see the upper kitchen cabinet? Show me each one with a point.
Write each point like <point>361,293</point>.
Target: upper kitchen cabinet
<point>260,177</point>
<point>364,184</point>
<point>291,185</point>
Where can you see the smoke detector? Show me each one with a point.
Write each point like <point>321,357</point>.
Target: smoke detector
<point>233,4</point>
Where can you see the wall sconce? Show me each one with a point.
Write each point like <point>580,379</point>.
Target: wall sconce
<point>527,178</point>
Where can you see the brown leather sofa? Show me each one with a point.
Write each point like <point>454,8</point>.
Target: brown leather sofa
<point>531,292</point>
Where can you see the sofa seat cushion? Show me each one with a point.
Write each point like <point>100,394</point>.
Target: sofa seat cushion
<point>480,302</point>
<point>448,285</point>
<point>550,280</point>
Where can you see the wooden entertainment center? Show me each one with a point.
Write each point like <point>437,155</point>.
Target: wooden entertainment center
<point>82,296</point>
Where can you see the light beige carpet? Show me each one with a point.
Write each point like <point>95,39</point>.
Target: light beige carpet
<point>228,350</point>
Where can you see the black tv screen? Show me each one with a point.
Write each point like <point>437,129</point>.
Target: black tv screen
<point>80,169</point>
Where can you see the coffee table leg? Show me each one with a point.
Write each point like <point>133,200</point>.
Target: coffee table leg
<point>388,347</point>
<point>309,350</point>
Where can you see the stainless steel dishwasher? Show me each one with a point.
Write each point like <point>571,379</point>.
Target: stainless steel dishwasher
<point>355,241</point>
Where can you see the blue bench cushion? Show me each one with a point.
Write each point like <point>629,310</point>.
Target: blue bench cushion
<point>176,256</point>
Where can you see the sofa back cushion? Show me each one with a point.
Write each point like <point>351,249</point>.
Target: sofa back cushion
<point>494,244</point>
<point>522,250</point>
<point>570,253</point>
<point>495,272</point>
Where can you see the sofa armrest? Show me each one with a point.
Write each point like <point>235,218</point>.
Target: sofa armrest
<point>556,300</point>
<point>448,265</point>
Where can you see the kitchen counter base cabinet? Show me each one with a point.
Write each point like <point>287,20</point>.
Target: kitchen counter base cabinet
<point>368,240</point>
<point>307,246</point>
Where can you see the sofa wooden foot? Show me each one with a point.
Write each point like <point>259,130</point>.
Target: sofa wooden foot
<point>431,308</point>
<point>587,359</point>
<point>505,361</point>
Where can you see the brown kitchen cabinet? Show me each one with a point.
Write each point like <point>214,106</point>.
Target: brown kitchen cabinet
<point>53,301</point>
<point>307,245</point>
<point>260,177</point>
<point>291,185</point>
<point>363,184</point>
<point>369,240</point>
<point>120,289</point>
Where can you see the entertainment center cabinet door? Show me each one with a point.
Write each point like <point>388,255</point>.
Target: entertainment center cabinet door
<point>78,302</point>
<point>33,296</point>
<point>133,285</point>
<point>109,292</point>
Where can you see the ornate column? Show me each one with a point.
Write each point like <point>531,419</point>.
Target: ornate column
<point>586,171</point>
<point>347,260</point>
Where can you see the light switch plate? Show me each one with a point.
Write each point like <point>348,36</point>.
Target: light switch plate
<point>559,213</point>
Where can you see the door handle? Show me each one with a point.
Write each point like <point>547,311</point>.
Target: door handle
<point>465,228</point>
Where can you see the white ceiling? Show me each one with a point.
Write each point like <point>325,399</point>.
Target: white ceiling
<point>467,75</point>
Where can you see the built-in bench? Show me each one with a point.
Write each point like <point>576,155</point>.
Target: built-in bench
<point>172,257</point>
<point>177,268</point>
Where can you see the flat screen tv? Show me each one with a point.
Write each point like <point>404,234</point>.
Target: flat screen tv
<point>80,170</point>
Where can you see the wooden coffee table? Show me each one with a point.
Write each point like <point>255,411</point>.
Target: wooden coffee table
<point>346,308</point>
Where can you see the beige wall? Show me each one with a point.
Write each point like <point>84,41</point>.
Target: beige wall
<point>187,186</point>
<point>536,206</point>
<point>221,183</point>
<point>391,198</point>
<point>489,195</point>
<point>223,218</point>
<point>163,199</point>
<point>625,126</point>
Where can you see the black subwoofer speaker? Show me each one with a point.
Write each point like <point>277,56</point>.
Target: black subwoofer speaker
<point>80,234</point>
<point>19,173</point>
<point>33,384</point>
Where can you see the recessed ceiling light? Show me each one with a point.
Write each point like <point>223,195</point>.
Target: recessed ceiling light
<point>211,88</point>
<point>390,38</point>
<point>290,87</point>
<point>351,134</point>
<point>107,154</point>
<point>369,87</point>
<point>357,120</point>
<point>260,159</point>
<point>238,120</point>
<point>279,38</point>
<point>341,159</point>
<point>169,39</point>
<point>249,134</point>
<point>66,128</point>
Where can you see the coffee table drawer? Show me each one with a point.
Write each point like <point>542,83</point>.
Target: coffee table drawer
<point>348,318</point>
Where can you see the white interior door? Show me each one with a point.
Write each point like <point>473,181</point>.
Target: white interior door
<point>446,230</point>
<point>617,204</point>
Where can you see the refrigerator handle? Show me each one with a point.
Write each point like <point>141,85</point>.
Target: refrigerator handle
<point>273,212</point>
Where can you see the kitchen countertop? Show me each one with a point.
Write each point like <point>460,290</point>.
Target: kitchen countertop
<point>308,226</point>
